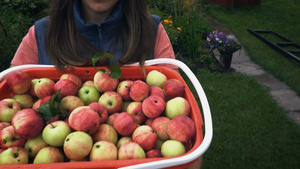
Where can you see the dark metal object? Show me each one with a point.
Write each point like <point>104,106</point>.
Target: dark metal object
<point>279,45</point>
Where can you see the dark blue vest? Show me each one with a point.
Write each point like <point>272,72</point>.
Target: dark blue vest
<point>98,34</point>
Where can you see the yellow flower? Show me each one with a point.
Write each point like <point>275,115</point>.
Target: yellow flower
<point>179,28</point>
<point>166,21</point>
<point>170,16</point>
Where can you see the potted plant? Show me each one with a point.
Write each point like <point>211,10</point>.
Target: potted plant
<point>223,47</point>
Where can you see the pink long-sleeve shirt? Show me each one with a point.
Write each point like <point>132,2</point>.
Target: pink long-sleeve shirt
<point>27,52</point>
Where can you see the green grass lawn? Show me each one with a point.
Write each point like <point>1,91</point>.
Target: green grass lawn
<point>281,16</point>
<point>250,130</point>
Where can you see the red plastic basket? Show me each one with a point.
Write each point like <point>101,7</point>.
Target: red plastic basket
<point>198,146</point>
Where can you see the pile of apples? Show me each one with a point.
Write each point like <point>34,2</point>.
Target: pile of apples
<point>47,121</point>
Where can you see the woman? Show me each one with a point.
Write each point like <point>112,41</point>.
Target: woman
<point>76,30</point>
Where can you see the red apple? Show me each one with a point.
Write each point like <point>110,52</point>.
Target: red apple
<point>181,128</point>
<point>155,90</point>
<point>67,88</point>
<point>89,83</point>
<point>106,132</point>
<point>8,108</point>
<point>125,124</point>
<point>111,118</point>
<point>10,138</point>
<point>148,122</point>
<point>19,82</point>
<point>44,87</point>
<point>31,90</point>
<point>45,100</point>
<point>136,111</point>
<point>174,88</point>
<point>28,123</point>
<point>139,91</point>
<point>112,101</point>
<point>103,82</point>
<point>131,150</point>
<point>124,88</point>
<point>84,119</point>
<point>36,104</point>
<point>145,136</point>
<point>160,125</point>
<point>76,79</point>
<point>69,103</point>
<point>153,106</point>
<point>3,125</point>
<point>154,153</point>
<point>101,110</point>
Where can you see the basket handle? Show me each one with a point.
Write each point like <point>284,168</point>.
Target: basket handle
<point>207,120</point>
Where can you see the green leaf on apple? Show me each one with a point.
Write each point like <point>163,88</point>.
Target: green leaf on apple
<point>116,72</point>
<point>52,107</point>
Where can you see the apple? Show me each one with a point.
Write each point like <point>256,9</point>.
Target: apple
<point>10,138</point>
<point>8,108</point>
<point>67,88</point>
<point>103,150</point>
<point>136,111</point>
<point>36,104</point>
<point>153,106</point>
<point>106,132</point>
<point>112,101</point>
<point>25,100</point>
<point>174,88</point>
<point>125,105</point>
<point>88,94</point>
<point>160,125</point>
<point>148,122</point>
<point>177,106</point>
<point>45,100</point>
<point>89,83</point>
<point>76,79</point>
<point>112,118</point>
<point>124,88</point>
<point>156,78</point>
<point>145,136</point>
<point>28,123</point>
<point>34,145</point>
<point>19,81</point>
<point>31,90</point>
<point>69,103</point>
<point>44,87</point>
<point>125,124</point>
<point>172,148</point>
<point>84,119</point>
<point>122,141</point>
<point>104,82</point>
<point>159,143</point>
<point>3,125</point>
<point>155,90</point>
<point>54,133</point>
<point>49,154</point>
<point>101,110</point>
<point>181,128</point>
<point>154,153</point>
<point>139,91</point>
<point>78,145</point>
<point>131,150</point>
<point>14,155</point>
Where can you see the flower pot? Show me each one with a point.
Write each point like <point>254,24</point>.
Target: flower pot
<point>225,60</point>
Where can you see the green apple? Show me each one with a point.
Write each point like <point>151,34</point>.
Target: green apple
<point>131,150</point>
<point>25,100</point>
<point>172,148</point>
<point>8,108</point>
<point>122,141</point>
<point>156,78</point>
<point>88,94</point>
<point>14,155</point>
<point>69,103</point>
<point>78,145</point>
<point>177,106</point>
<point>56,132</point>
<point>106,132</point>
<point>104,150</point>
<point>34,145</point>
<point>49,155</point>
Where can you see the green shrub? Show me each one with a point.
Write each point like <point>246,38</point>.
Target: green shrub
<point>16,17</point>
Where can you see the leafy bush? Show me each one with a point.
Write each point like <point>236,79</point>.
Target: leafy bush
<point>16,17</point>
